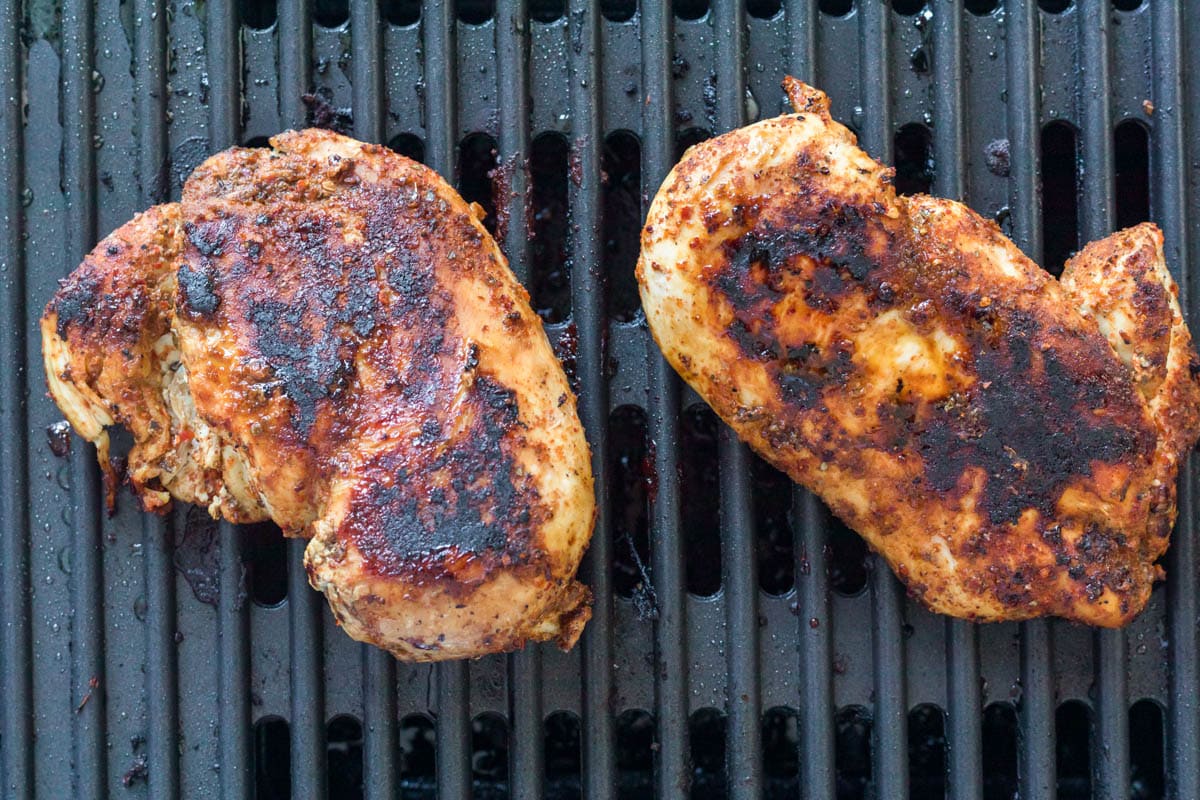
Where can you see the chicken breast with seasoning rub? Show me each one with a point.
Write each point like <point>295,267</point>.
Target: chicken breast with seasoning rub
<point>1007,441</point>
<point>354,360</point>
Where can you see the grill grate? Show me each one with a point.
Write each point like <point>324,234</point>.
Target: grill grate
<point>158,653</point>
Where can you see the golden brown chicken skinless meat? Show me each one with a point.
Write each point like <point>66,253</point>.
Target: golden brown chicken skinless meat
<point>357,362</point>
<point>1007,441</point>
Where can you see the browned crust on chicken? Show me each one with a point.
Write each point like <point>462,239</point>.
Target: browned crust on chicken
<point>111,357</point>
<point>899,356</point>
<point>354,334</point>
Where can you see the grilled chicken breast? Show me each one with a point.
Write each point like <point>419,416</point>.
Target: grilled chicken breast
<point>324,334</point>
<point>1007,441</point>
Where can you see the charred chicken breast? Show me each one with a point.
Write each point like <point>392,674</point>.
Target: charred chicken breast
<point>324,334</point>
<point>1007,441</point>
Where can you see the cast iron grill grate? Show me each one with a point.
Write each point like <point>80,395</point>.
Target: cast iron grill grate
<point>743,643</point>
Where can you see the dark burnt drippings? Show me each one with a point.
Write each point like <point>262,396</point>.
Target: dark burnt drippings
<point>58,435</point>
<point>198,558</point>
<point>321,113</point>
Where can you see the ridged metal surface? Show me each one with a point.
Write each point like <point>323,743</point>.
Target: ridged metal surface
<point>119,677</point>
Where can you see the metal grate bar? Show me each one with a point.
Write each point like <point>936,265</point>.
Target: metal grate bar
<point>453,731</point>
<point>1036,708</point>
<point>670,629</point>
<point>294,41</point>
<point>1110,743</point>
<point>740,561</point>
<point>816,649</point>
<point>87,616</point>
<point>367,83</point>
<point>16,662</point>
<point>739,556</point>
<point>1169,171</point>
<point>380,776</point>
<point>224,75</point>
<point>964,731</point>
<point>305,606</point>
<point>380,739</point>
<point>162,674</point>
<point>441,87</point>
<point>1024,109</point>
<point>801,18</point>
<point>589,314</point>
<point>512,66</point>
<point>965,703</point>
<point>890,729</point>
<point>453,687</point>
<point>234,669</point>
<point>817,779</point>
